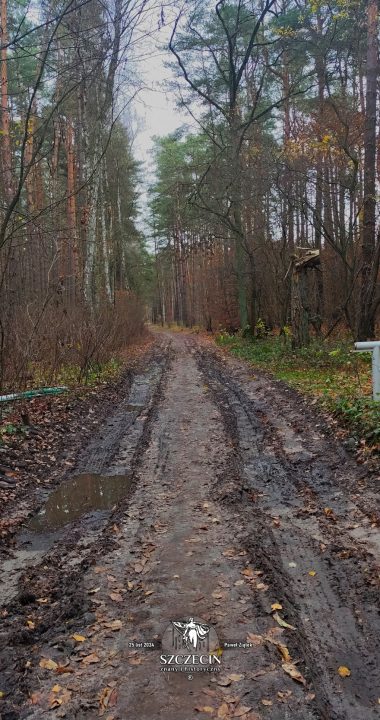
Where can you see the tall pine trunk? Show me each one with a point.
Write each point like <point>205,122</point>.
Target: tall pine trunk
<point>369,262</point>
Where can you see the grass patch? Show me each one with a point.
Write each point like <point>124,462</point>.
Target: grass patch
<point>339,378</point>
<point>74,375</point>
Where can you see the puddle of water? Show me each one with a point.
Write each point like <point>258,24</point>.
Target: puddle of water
<point>87,493</point>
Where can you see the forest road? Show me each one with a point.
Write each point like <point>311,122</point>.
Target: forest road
<point>245,514</point>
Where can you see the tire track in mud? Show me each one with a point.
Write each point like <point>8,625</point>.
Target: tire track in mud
<point>56,570</point>
<point>334,610</point>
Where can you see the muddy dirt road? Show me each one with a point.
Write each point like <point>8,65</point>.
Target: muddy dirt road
<point>210,494</point>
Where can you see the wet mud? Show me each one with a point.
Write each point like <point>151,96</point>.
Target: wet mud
<point>206,493</point>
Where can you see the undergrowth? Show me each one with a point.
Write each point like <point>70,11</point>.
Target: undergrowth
<point>337,377</point>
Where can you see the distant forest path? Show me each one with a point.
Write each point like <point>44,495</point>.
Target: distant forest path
<point>240,511</point>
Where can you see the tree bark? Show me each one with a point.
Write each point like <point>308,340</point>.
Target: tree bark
<point>368,276</point>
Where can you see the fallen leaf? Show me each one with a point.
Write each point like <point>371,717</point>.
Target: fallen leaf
<point>312,573</point>
<point>224,681</point>
<point>116,597</point>
<point>135,661</point>
<point>56,689</point>
<point>90,659</point>
<point>57,701</point>
<point>61,669</point>
<point>79,638</point>
<point>262,586</point>
<point>223,710</point>
<point>48,664</point>
<point>114,625</point>
<point>205,709</point>
<point>241,710</point>
<point>284,652</point>
<point>266,702</point>
<point>248,572</point>
<point>108,697</point>
<point>30,624</point>
<point>292,671</point>
<point>255,639</point>
<point>235,677</point>
<point>344,671</point>
<point>310,696</point>
<point>281,622</point>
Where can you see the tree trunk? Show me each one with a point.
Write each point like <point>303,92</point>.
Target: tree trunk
<point>368,276</point>
<point>5,115</point>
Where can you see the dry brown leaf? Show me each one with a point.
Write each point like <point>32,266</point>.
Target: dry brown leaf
<point>56,689</point>
<point>248,572</point>
<point>79,638</point>
<point>344,671</point>
<point>57,700</point>
<point>295,674</point>
<point>276,606</point>
<point>267,703</point>
<point>255,639</point>
<point>114,625</point>
<point>282,622</point>
<point>241,710</point>
<point>224,681</point>
<point>135,661</point>
<point>30,624</point>
<point>223,710</point>
<point>284,652</point>
<point>48,664</point>
<point>61,669</point>
<point>108,697</point>
<point>90,659</point>
<point>205,709</point>
<point>235,677</point>
<point>116,597</point>
<point>262,586</point>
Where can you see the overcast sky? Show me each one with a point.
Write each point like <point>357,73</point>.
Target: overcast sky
<point>155,112</point>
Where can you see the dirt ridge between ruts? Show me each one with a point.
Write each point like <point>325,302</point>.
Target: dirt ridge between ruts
<point>261,474</point>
